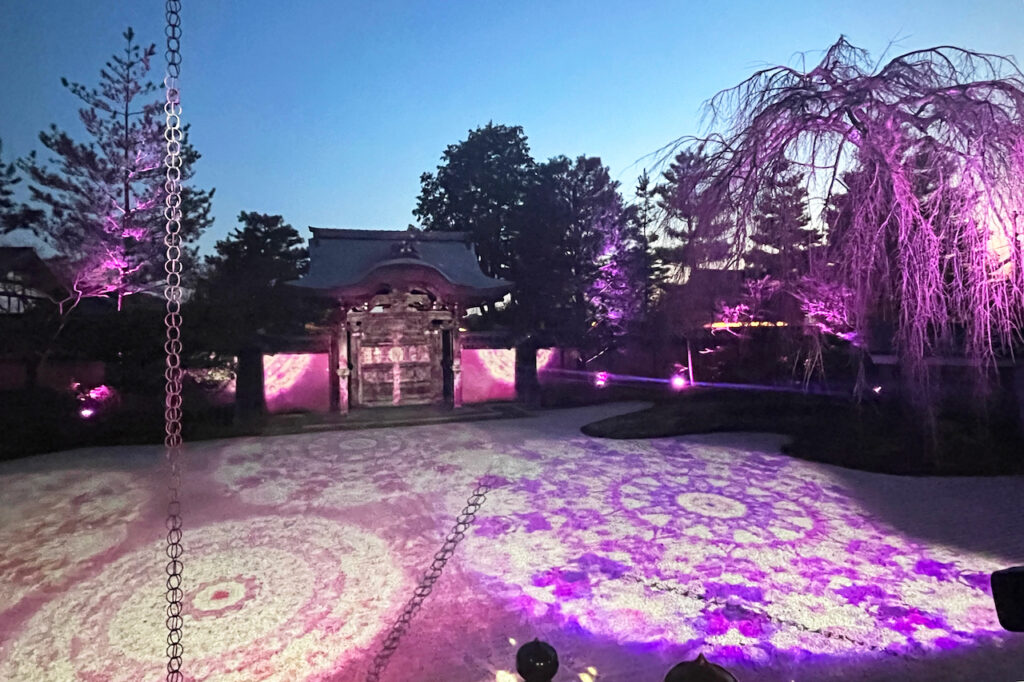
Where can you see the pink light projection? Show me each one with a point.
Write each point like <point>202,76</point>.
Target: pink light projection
<point>95,401</point>
<point>601,379</point>
<point>490,373</point>
<point>626,555</point>
<point>678,382</point>
<point>545,356</point>
<point>296,382</point>
<point>102,392</point>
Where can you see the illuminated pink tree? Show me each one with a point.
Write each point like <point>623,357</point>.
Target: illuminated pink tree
<point>104,198</point>
<point>616,293</point>
<point>924,156</point>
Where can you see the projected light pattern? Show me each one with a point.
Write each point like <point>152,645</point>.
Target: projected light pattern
<point>748,557</point>
<point>490,373</point>
<point>51,522</point>
<point>269,596</point>
<point>617,552</point>
<point>296,381</point>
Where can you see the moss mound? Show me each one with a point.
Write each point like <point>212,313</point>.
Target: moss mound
<point>870,436</point>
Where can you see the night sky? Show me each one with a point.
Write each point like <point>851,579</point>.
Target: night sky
<point>327,112</point>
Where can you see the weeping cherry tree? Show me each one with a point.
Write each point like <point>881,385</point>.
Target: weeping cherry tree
<point>924,155</point>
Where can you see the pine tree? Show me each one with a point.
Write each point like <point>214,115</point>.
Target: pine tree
<point>644,214</point>
<point>13,215</point>
<point>781,236</point>
<point>242,302</point>
<point>8,178</point>
<point>104,198</point>
<point>241,294</point>
<point>696,223</point>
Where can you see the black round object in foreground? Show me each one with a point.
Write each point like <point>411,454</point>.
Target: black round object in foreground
<point>537,661</point>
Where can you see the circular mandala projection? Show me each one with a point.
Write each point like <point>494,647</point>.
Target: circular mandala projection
<point>271,597</point>
<point>746,556</point>
<point>719,503</point>
<point>710,504</point>
<point>51,523</point>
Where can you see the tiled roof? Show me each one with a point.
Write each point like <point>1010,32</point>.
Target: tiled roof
<point>344,258</point>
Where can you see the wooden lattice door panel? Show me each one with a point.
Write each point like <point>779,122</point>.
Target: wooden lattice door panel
<point>397,351</point>
<point>400,371</point>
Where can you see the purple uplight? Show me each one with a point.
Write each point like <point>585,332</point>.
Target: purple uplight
<point>678,382</point>
<point>86,412</point>
<point>601,379</point>
<point>101,392</point>
<point>136,233</point>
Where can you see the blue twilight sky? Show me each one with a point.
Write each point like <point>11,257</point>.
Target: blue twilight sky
<point>328,111</point>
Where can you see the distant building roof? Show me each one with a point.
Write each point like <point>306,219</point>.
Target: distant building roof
<point>346,261</point>
<point>23,264</point>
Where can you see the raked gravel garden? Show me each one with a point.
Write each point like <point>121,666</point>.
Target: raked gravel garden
<point>626,555</point>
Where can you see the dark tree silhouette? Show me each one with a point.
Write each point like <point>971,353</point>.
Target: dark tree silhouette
<point>781,236</point>
<point>646,216</point>
<point>932,238</point>
<point>695,221</point>
<point>13,215</point>
<point>241,293</point>
<point>557,229</point>
<point>241,301</point>
<point>480,188</point>
<point>578,256</point>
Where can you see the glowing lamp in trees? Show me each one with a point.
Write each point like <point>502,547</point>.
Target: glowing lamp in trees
<point>86,412</point>
<point>101,393</point>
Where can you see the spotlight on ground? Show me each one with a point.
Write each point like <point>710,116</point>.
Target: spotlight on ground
<point>601,379</point>
<point>678,382</point>
<point>1008,595</point>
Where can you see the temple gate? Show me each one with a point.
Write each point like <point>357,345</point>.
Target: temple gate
<point>400,297</point>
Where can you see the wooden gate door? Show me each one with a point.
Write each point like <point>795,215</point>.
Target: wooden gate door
<point>399,360</point>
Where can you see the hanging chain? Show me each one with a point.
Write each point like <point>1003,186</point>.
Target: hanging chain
<point>426,584</point>
<point>172,344</point>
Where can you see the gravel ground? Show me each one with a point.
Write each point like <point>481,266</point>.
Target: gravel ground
<point>625,555</point>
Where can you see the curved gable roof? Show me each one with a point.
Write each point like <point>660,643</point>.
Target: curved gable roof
<point>341,259</point>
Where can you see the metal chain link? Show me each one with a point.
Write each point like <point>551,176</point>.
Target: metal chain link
<point>426,584</point>
<point>172,344</point>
